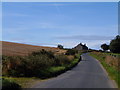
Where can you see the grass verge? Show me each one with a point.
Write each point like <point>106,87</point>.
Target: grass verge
<point>112,72</point>
<point>9,84</point>
<point>23,81</point>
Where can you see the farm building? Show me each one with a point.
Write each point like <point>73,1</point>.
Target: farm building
<point>81,47</point>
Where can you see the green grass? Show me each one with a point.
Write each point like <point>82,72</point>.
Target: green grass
<point>56,69</point>
<point>73,63</point>
<point>6,83</point>
<point>23,81</point>
<point>112,72</point>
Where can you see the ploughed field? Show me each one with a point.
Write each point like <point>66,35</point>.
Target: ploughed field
<point>13,49</point>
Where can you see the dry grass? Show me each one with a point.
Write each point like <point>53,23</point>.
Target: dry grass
<point>17,49</point>
<point>112,61</point>
<point>70,57</point>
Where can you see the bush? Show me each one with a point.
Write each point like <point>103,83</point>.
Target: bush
<point>12,65</point>
<point>60,46</point>
<point>6,84</point>
<point>115,45</point>
<point>105,47</point>
<point>61,60</point>
<point>33,64</point>
<point>43,52</point>
<point>71,52</point>
<point>38,63</point>
<point>28,65</point>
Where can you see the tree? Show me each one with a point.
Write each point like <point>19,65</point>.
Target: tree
<point>60,46</point>
<point>115,45</point>
<point>105,47</point>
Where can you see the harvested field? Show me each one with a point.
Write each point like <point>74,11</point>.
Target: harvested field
<point>17,49</point>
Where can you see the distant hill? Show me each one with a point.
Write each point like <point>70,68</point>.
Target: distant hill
<point>13,49</point>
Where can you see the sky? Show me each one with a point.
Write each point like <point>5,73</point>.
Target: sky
<point>60,0</point>
<point>65,23</point>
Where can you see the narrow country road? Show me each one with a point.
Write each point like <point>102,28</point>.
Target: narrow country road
<point>87,74</point>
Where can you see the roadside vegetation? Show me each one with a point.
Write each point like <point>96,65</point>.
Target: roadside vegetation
<point>114,45</point>
<point>41,64</point>
<point>110,63</point>
<point>23,82</point>
<point>109,57</point>
<point>7,84</point>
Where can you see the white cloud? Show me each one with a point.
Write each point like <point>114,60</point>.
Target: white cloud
<point>97,44</point>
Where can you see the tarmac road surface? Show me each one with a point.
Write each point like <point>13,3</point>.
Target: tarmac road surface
<point>89,73</point>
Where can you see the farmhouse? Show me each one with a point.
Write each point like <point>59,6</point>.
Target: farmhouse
<point>81,47</point>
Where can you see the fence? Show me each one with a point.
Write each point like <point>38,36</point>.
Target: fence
<point>114,55</point>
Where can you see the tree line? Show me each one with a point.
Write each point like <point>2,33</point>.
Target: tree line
<point>114,45</point>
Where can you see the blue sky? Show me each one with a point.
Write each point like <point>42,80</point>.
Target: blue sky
<point>50,23</point>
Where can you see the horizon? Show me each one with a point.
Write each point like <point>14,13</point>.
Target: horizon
<point>65,23</point>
